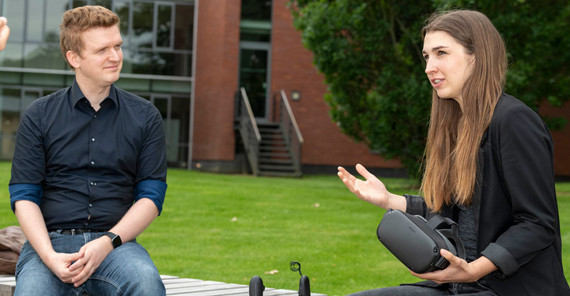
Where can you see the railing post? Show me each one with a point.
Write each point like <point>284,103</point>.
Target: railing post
<point>248,131</point>
<point>292,131</point>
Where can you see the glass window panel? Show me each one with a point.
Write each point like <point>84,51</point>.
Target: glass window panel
<point>105,3</point>
<point>164,25</point>
<point>35,28</point>
<point>253,77</point>
<point>15,11</point>
<point>181,65</point>
<point>44,56</point>
<point>171,86</point>
<point>54,10</point>
<point>78,3</point>
<point>122,9</point>
<point>43,79</point>
<point>11,56</point>
<point>162,106</point>
<point>256,10</point>
<point>132,85</point>
<point>141,62</point>
<point>161,63</point>
<point>142,35</point>
<point>9,78</point>
<point>28,97</point>
<point>246,35</point>
<point>184,28</point>
<point>127,61</point>
<point>181,112</point>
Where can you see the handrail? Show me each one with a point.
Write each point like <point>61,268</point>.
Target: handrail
<point>248,130</point>
<point>250,113</point>
<point>291,130</point>
<point>290,112</point>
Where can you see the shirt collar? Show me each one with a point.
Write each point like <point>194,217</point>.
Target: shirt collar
<point>77,95</point>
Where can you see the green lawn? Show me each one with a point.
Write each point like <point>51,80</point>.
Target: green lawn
<point>231,227</point>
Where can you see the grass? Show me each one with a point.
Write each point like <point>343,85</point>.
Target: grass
<point>231,227</point>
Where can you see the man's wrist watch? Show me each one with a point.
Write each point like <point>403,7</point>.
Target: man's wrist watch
<point>115,239</point>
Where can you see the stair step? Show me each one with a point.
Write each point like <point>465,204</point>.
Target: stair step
<point>274,154</point>
<point>279,174</point>
<point>276,161</point>
<point>277,168</point>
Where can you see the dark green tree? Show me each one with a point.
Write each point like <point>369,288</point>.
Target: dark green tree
<point>370,54</point>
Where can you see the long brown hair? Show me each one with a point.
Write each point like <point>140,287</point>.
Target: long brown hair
<point>455,130</point>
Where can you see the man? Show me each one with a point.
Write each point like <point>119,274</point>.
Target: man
<point>88,173</point>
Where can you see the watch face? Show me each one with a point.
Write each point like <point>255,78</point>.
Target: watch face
<point>115,239</point>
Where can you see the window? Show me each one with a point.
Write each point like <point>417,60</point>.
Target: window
<point>255,54</point>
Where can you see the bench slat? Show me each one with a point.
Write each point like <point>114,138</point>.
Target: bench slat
<point>178,286</point>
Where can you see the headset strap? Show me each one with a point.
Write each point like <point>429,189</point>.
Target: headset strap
<point>452,233</point>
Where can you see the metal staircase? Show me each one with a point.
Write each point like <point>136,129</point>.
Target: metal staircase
<point>274,155</point>
<point>272,148</point>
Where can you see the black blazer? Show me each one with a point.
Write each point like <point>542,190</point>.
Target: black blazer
<point>514,204</point>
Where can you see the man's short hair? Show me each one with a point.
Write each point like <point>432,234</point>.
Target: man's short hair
<point>79,20</point>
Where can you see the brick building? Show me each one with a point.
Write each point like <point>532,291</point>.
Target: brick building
<point>190,57</point>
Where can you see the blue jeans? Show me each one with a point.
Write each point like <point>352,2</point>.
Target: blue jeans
<point>127,270</point>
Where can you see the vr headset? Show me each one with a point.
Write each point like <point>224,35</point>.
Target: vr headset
<point>417,242</point>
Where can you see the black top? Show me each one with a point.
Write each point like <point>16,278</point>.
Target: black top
<point>86,166</point>
<point>514,204</point>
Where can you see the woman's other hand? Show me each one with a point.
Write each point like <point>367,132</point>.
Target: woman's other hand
<point>371,189</point>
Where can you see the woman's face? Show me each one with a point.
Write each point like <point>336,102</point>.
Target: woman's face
<point>447,64</point>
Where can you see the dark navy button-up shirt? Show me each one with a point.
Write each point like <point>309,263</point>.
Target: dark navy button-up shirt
<point>85,168</point>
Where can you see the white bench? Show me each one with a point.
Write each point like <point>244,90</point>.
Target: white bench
<point>178,286</point>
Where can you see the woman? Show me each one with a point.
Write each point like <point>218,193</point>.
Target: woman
<point>488,166</point>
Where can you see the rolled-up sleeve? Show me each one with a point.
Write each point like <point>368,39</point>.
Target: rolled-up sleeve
<point>29,192</point>
<point>415,205</point>
<point>151,172</point>
<point>152,189</point>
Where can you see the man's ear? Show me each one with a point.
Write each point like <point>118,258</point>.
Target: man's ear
<point>72,58</point>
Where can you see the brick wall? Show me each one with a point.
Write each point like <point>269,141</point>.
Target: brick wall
<point>561,138</point>
<point>292,69</point>
<point>216,79</point>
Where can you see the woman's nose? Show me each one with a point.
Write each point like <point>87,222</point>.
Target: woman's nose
<point>430,67</point>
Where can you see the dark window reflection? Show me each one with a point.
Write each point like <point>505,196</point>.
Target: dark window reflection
<point>122,9</point>
<point>259,10</point>
<point>164,26</point>
<point>104,3</point>
<point>78,3</point>
<point>253,77</point>
<point>183,30</point>
<point>142,24</point>
<point>161,63</point>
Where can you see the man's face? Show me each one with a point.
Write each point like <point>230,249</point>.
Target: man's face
<point>101,59</point>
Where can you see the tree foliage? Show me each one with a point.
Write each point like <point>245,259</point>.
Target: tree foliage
<point>370,54</point>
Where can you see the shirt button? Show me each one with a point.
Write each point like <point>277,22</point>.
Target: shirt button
<point>92,139</point>
<point>92,162</point>
<point>90,205</point>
